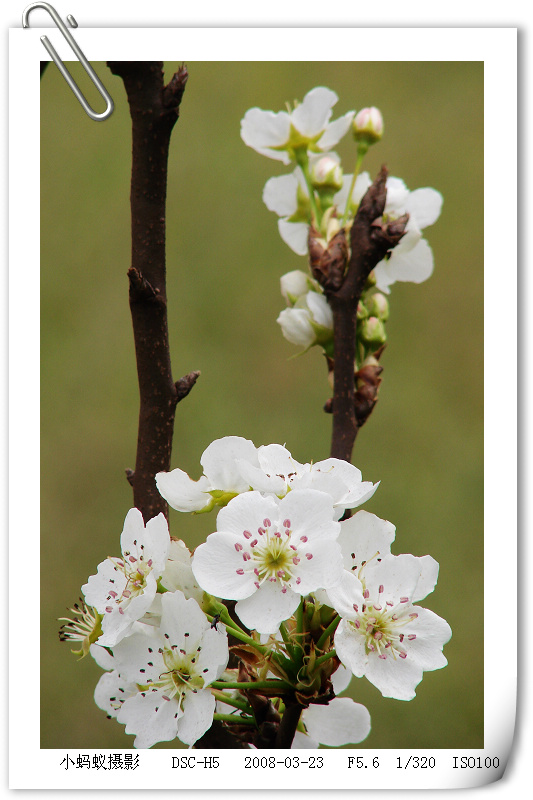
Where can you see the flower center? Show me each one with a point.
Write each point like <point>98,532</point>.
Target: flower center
<point>272,556</point>
<point>181,674</point>
<point>383,626</point>
<point>135,571</point>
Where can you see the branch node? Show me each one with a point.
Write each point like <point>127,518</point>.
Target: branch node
<point>173,91</point>
<point>140,288</point>
<point>130,474</point>
<point>185,384</point>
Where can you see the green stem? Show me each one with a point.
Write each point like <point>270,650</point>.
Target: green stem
<point>322,659</point>
<point>302,159</point>
<point>332,627</point>
<point>283,686</point>
<point>238,633</point>
<point>235,719</point>
<point>232,701</point>
<point>360,155</point>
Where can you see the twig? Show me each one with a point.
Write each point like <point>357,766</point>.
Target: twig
<point>370,241</point>
<point>154,109</point>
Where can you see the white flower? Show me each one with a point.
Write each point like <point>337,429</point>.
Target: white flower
<point>278,135</point>
<point>308,322</point>
<point>382,635</point>
<point>342,721</point>
<point>279,473</point>
<point>220,482</point>
<point>124,588</point>
<point>267,554</point>
<point>171,668</point>
<point>411,259</point>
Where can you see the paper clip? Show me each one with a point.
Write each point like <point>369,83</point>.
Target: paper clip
<point>61,67</point>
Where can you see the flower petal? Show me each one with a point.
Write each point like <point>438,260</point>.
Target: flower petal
<point>112,691</point>
<point>151,718</point>
<point>267,608</point>
<point>263,130</point>
<point>310,514</point>
<point>350,648</point>
<point>280,195</point>
<point>198,710</point>
<point>320,309</point>
<point>320,566</point>
<point>428,578</point>
<point>218,461</point>
<point>312,116</point>
<point>394,677</point>
<point>335,131</point>
<point>415,266</point>
<point>425,205</point>
<point>218,566</point>
<point>342,721</point>
<point>181,492</point>
<point>295,234</point>
<point>362,537</point>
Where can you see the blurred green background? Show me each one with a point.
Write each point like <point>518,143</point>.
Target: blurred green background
<point>224,259</point>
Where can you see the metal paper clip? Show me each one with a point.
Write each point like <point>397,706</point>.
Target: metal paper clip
<point>61,67</point>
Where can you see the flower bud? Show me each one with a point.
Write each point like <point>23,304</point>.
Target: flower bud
<point>372,331</point>
<point>326,173</point>
<point>378,306</point>
<point>295,284</point>
<point>367,126</point>
<point>362,311</point>
<point>310,322</point>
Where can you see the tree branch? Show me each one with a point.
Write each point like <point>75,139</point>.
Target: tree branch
<point>370,240</point>
<point>154,109</point>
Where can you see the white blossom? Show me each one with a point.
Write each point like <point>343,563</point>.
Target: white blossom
<point>124,588</point>
<point>382,635</point>
<point>268,553</point>
<point>220,481</point>
<point>308,322</point>
<point>279,473</point>
<point>307,126</point>
<point>171,668</point>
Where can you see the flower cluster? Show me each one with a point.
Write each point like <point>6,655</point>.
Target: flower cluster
<point>320,599</point>
<point>316,204</point>
<point>316,596</point>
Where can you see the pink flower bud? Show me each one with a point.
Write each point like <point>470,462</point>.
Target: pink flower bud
<point>368,125</point>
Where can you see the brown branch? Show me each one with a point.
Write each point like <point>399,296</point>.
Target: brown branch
<point>287,727</point>
<point>154,109</point>
<point>370,240</point>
